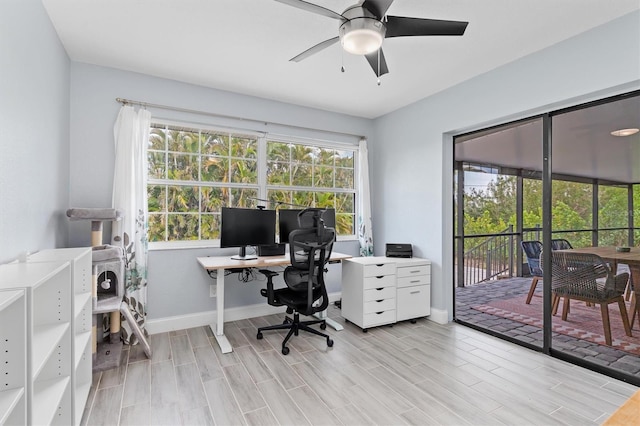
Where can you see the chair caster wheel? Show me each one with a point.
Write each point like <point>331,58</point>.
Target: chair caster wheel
<point>259,336</point>
<point>329,342</point>
<point>364,330</point>
<point>413,321</point>
<point>285,350</point>
<point>323,326</point>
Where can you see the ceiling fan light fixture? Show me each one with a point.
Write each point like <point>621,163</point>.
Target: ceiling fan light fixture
<point>362,36</point>
<point>625,132</point>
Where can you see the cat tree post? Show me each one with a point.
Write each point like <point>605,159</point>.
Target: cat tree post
<point>96,241</point>
<point>107,286</point>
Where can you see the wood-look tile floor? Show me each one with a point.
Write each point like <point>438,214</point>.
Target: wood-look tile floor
<point>415,374</point>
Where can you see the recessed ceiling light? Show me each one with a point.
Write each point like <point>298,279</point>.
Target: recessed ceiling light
<point>625,132</point>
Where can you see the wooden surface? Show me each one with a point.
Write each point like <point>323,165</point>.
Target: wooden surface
<point>225,262</point>
<point>628,414</point>
<point>610,254</point>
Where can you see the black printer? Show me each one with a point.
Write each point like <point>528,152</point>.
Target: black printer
<point>399,250</point>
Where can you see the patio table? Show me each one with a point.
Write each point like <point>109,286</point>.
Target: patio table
<point>632,259</point>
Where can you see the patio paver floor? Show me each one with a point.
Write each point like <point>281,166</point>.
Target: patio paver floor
<point>467,297</point>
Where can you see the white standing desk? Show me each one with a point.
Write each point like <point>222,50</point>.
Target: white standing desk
<point>221,263</point>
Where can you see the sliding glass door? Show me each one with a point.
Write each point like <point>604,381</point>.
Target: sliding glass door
<point>549,191</point>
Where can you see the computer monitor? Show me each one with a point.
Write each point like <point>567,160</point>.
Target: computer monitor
<point>288,221</point>
<point>247,227</point>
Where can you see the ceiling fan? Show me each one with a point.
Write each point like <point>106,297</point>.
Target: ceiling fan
<point>365,25</point>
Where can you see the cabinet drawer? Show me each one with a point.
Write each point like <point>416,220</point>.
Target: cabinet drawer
<point>409,271</point>
<point>413,280</point>
<point>379,305</point>
<point>380,269</point>
<point>379,293</point>
<point>379,318</point>
<point>380,281</point>
<point>413,302</point>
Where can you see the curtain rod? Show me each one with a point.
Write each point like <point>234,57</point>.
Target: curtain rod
<point>213,114</point>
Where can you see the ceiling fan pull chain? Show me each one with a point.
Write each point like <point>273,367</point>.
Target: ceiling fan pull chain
<point>379,66</point>
<point>342,59</point>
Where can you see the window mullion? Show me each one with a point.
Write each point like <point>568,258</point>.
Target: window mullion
<point>262,167</point>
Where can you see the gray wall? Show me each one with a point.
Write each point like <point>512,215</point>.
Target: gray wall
<point>177,284</point>
<point>595,64</point>
<point>34,131</point>
<point>47,165</point>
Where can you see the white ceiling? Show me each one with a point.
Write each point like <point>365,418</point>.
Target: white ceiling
<point>244,46</point>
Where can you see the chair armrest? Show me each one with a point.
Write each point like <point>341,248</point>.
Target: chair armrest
<point>268,292</point>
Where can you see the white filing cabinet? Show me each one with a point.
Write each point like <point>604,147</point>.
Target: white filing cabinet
<point>81,373</point>
<point>413,288</point>
<point>383,290</point>
<point>48,334</point>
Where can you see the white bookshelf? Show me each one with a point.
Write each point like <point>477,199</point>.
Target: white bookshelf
<point>13,364</point>
<point>81,324</point>
<point>48,335</point>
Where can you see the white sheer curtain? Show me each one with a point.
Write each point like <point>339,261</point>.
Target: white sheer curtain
<point>365,232</point>
<point>131,133</point>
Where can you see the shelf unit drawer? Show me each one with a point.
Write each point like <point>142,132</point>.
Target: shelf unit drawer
<point>379,305</point>
<point>415,302</point>
<point>409,271</point>
<point>413,280</point>
<point>379,269</point>
<point>380,281</point>
<point>379,318</point>
<point>379,293</point>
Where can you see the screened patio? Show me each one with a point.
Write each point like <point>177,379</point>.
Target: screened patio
<point>562,175</point>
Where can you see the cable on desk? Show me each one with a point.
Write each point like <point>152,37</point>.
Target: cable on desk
<point>245,275</point>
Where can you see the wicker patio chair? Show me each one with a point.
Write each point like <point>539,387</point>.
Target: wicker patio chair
<point>532,250</point>
<point>586,277</point>
<point>560,244</point>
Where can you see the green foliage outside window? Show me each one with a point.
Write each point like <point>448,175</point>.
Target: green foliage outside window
<point>492,210</point>
<point>193,173</point>
<point>300,175</point>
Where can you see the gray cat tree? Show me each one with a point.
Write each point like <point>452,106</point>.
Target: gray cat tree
<point>108,263</point>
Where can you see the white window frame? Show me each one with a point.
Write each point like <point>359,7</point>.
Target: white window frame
<point>262,138</point>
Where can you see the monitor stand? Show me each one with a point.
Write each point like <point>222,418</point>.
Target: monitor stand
<point>242,255</point>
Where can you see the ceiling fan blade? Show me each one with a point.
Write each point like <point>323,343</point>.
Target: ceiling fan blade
<point>400,26</point>
<point>372,58</point>
<point>314,8</point>
<point>315,49</point>
<point>377,7</point>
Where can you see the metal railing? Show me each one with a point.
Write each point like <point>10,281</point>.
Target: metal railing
<point>491,258</point>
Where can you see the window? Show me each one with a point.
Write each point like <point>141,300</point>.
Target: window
<point>307,175</point>
<point>193,172</point>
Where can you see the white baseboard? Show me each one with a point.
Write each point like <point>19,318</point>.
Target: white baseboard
<point>440,316</point>
<point>198,319</point>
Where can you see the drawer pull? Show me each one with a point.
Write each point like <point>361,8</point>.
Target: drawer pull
<point>379,313</point>
<point>381,300</point>
<point>414,281</point>
<point>380,277</point>
<point>415,292</point>
<point>415,272</point>
<point>380,264</point>
<point>380,289</point>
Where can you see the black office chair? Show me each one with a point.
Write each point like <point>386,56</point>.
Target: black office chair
<point>305,293</point>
